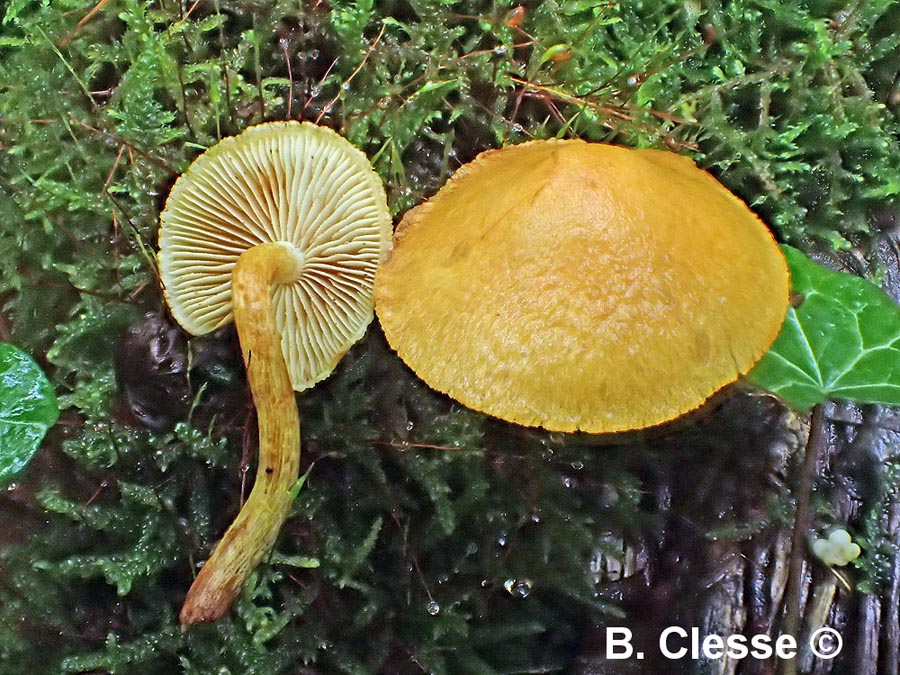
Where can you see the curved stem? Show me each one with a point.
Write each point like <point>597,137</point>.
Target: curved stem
<point>252,534</point>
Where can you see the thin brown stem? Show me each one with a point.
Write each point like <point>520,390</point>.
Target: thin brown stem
<point>816,445</point>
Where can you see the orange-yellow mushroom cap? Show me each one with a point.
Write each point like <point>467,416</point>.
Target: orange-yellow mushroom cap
<point>300,184</point>
<point>581,286</point>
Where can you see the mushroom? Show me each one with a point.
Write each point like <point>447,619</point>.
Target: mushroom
<point>581,287</point>
<point>281,229</point>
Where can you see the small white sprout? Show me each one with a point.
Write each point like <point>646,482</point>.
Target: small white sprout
<point>837,550</point>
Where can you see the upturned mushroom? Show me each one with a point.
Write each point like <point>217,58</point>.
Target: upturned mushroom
<point>582,287</point>
<point>280,229</point>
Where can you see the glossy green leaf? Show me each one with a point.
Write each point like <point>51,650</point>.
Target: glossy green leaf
<point>841,342</point>
<point>27,409</point>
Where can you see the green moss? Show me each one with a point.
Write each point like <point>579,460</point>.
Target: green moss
<point>420,513</point>
<point>879,549</point>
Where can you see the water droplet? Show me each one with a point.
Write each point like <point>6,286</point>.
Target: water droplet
<point>578,466</point>
<point>535,518</point>
<point>472,548</point>
<point>501,540</point>
<point>518,588</point>
<point>569,482</point>
<point>433,608</point>
<point>410,425</point>
<point>345,86</point>
<point>500,50</point>
<point>841,18</point>
<point>517,128</point>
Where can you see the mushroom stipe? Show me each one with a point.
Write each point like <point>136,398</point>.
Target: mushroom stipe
<point>253,532</point>
<point>280,229</point>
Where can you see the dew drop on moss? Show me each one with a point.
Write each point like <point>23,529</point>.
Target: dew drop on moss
<point>518,588</point>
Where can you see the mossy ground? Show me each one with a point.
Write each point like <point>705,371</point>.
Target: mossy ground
<point>445,542</point>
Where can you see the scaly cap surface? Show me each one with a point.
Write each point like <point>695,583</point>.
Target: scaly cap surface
<point>582,286</point>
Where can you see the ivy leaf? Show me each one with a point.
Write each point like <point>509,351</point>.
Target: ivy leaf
<point>27,409</point>
<point>841,342</point>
